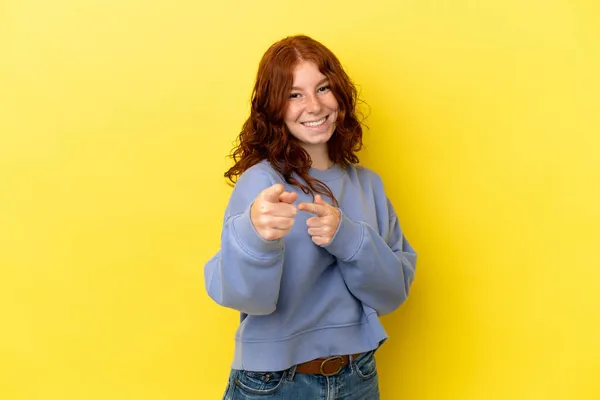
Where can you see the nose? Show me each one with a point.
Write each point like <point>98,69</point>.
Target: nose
<point>313,104</point>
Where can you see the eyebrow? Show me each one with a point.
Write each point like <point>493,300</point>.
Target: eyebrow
<point>322,81</point>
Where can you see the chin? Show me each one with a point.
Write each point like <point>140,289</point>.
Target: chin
<point>321,139</point>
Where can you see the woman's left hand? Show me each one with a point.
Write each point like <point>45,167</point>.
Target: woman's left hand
<point>323,226</point>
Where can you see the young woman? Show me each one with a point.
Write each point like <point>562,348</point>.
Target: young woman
<point>312,252</point>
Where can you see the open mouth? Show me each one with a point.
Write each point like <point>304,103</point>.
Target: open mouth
<point>315,124</point>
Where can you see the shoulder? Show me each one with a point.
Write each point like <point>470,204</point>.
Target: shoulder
<point>366,176</point>
<point>249,185</point>
<point>261,173</point>
<point>370,183</point>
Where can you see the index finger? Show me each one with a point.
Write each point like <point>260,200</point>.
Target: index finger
<point>313,208</point>
<point>271,194</point>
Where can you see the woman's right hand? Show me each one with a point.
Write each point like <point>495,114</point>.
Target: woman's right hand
<point>272,212</point>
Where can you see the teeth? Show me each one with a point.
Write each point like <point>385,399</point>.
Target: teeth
<point>315,123</point>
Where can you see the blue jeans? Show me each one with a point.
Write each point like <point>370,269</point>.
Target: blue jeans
<point>357,381</point>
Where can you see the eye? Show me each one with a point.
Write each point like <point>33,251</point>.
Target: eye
<point>323,89</point>
<point>294,95</point>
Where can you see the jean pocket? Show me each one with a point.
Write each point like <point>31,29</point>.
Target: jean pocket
<point>365,366</point>
<point>259,383</point>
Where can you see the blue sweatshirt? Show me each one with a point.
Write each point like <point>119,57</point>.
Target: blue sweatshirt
<point>299,301</point>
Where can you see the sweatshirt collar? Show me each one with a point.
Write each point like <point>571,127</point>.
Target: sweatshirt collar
<point>325,175</point>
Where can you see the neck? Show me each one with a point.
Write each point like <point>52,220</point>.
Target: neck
<point>319,156</point>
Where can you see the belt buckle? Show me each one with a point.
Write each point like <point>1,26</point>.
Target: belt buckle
<point>332,359</point>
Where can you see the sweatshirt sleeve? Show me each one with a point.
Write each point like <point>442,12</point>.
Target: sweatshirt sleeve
<point>246,273</point>
<point>378,267</point>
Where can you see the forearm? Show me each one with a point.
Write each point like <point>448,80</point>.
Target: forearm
<point>246,273</point>
<point>376,272</point>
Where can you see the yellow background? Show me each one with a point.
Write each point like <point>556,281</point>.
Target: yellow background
<point>115,120</point>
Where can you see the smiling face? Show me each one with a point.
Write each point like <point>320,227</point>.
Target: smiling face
<point>312,108</point>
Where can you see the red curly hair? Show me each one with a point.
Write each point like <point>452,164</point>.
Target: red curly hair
<point>265,136</point>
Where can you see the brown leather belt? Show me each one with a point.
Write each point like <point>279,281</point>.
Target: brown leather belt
<point>327,366</point>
